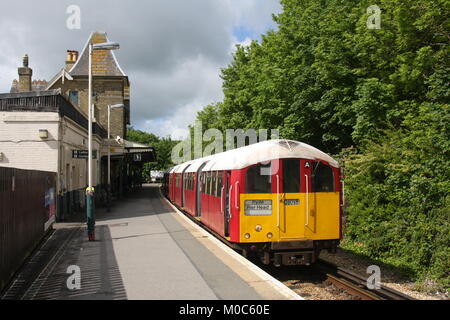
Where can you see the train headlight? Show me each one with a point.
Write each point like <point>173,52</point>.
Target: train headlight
<point>270,235</point>
<point>258,228</point>
<point>247,236</point>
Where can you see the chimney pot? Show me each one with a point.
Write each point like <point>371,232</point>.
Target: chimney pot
<point>72,57</point>
<point>25,61</point>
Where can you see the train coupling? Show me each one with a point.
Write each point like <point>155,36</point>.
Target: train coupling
<point>300,258</point>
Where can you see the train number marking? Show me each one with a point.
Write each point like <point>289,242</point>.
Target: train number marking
<point>291,202</point>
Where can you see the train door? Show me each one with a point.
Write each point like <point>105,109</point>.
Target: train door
<point>226,190</point>
<point>308,190</point>
<point>200,188</point>
<point>291,200</point>
<point>323,207</point>
<point>183,188</point>
<point>184,182</point>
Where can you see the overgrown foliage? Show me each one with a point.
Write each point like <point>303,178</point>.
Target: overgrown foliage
<point>324,78</point>
<point>163,147</point>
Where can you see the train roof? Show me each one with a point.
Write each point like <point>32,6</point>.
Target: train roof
<point>182,167</point>
<point>197,163</point>
<point>259,152</point>
<point>172,170</point>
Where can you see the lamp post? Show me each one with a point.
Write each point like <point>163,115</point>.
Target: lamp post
<point>90,190</point>
<point>116,106</point>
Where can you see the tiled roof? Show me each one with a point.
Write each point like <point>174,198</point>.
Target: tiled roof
<point>104,62</point>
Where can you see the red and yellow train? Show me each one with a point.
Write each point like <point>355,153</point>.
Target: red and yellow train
<point>279,199</point>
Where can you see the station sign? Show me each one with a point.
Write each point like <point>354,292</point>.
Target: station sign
<point>83,154</point>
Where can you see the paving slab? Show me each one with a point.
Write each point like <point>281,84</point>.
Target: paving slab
<point>143,250</point>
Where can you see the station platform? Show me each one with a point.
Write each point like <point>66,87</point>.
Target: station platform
<point>144,249</point>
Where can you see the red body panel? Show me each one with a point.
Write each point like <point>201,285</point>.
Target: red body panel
<point>213,211</point>
<point>189,201</point>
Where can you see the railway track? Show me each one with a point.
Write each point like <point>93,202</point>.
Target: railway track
<point>344,279</point>
<point>356,285</point>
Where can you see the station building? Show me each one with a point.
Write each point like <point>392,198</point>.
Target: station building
<point>44,127</point>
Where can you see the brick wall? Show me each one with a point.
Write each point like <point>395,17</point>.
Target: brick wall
<point>107,92</point>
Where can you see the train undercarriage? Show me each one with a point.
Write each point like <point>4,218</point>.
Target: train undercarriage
<point>289,253</point>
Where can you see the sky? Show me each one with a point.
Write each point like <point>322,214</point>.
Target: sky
<point>171,50</point>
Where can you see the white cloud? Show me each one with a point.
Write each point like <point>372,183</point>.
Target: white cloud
<point>172,50</point>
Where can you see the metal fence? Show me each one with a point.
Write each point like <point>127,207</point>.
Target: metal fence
<point>47,101</point>
<point>27,205</point>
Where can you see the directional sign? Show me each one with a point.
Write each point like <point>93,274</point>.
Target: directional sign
<point>83,154</point>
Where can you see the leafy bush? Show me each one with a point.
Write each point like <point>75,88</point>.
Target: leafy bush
<point>398,192</point>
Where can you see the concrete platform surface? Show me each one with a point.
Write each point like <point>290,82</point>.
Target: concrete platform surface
<point>144,249</point>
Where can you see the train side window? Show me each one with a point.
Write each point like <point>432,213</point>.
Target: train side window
<point>203,182</point>
<point>214,184</point>
<point>189,181</point>
<point>208,183</point>
<point>291,176</point>
<point>219,184</point>
<point>322,178</point>
<point>256,179</point>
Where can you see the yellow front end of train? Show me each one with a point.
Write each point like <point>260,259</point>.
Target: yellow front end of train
<point>289,217</point>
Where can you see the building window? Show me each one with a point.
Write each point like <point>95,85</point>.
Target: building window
<point>74,98</point>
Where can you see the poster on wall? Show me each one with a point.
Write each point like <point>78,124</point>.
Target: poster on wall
<point>50,207</point>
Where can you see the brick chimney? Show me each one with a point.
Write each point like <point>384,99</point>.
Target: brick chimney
<point>72,57</point>
<point>25,74</point>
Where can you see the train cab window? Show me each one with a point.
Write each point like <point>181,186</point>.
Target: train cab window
<point>258,180</point>
<point>322,178</point>
<point>291,176</point>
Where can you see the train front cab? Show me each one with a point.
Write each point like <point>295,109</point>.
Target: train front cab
<point>289,209</point>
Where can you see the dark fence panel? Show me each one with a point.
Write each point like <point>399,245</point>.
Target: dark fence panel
<point>27,200</point>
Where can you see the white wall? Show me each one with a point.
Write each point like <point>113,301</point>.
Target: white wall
<point>21,145</point>
<point>73,172</point>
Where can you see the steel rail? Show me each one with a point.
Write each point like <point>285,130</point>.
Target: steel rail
<point>357,285</point>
